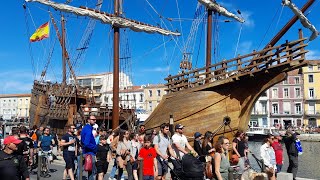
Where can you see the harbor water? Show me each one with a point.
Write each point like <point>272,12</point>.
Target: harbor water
<point>309,161</point>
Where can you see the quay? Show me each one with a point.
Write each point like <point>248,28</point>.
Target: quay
<point>309,137</point>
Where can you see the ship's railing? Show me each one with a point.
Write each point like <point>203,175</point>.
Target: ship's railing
<point>234,68</point>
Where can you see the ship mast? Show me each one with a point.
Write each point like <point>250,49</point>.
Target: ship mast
<point>63,46</point>
<point>116,44</point>
<point>209,44</point>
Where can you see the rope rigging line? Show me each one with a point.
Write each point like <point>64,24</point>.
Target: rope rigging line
<point>199,47</point>
<point>238,40</point>
<point>161,19</point>
<point>215,38</point>
<point>265,34</point>
<point>274,31</point>
<point>29,44</point>
<point>43,74</point>
<point>180,21</point>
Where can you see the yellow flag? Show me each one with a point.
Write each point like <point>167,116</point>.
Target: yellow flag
<point>41,33</point>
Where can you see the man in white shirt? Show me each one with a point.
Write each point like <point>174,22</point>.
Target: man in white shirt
<point>180,142</point>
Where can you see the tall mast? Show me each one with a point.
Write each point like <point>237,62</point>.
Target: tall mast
<point>209,43</point>
<point>116,34</point>
<point>63,45</point>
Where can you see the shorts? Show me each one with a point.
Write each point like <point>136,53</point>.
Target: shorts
<point>102,166</point>
<point>135,165</point>
<point>69,159</point>
<point>162,167</point>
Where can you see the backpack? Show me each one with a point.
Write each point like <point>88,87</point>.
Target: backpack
<point>34,136</point>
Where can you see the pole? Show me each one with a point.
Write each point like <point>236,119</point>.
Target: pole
<point>39,165</point>
<point>115,108</point>
<point>171,125</point>
<point>63,45</point>
<point>209,44</point>
<point>140,175</point>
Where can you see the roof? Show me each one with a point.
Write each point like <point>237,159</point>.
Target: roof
<point>155,86</point>
<point>14,95</point>
<point>100,74</point>
<point>130,89</point>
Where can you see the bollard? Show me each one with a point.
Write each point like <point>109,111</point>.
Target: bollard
<point>39,165</point>
<point>80,164</point>
<point>140,175</point>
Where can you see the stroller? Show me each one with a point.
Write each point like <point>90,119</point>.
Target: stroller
<point>189,168</point>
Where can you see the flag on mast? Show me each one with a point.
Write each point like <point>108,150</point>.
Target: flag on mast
<point>41,33</point>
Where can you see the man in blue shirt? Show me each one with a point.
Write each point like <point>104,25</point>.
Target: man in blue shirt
<point>46,141</point>
<point>89,145</point>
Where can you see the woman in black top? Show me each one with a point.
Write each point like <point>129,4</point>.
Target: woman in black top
<point>207,147</point>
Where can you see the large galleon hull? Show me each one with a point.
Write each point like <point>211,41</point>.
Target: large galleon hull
<point>228,90</point>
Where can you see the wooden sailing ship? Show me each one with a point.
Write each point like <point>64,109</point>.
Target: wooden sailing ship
<point>60,104</point>
<point>219,97</point>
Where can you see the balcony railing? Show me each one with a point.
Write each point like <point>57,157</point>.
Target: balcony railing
<point>312,112</point>
<point>259,112</point>
<point>286,113</point>
<point>313,98</point>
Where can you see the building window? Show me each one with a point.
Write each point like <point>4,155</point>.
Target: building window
<point>297,80</point>
<point>274,93</point>
<point>150,105</point>
<point>311,93</point>
<point>134,97</point>
<point>298,108</point>
<point>264,121</point>
<point>310,67</point>
<point>286,92</point>
<point>275,109</point>
<point>141,97</point>
<point>285,81</point>
<point>310,77</point>
<point>286,107</point>
<point>297,92</point>
<point>318,67</point>
<point>150,93</point>
<point>127,97</point>
<point>159,93</point>
<point>275,121</point>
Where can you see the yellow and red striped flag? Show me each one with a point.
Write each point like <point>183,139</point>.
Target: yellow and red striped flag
<point>41,33</point>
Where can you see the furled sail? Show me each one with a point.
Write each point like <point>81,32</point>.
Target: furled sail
<point>212,5</point>
<point>107,18</point>
<point>303,19</point>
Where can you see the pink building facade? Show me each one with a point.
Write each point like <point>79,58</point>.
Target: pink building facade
<point>286,101</point>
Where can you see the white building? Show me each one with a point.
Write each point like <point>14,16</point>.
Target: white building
<point>14,106</point>
<point>259,114</point>
<point>131,97</point>
<point>101,83</point>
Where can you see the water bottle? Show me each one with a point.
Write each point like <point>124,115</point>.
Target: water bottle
<point>298,146</point>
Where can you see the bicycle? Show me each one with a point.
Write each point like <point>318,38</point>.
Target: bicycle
<point>46,157</point>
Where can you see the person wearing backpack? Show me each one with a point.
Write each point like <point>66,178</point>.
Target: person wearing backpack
<point>162,144</point>
<point>27,145</point>
<point>46,141</point>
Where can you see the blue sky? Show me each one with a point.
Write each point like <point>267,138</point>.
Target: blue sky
<point>153,56</point>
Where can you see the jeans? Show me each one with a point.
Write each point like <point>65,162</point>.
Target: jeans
<point>114,169</point>
<point>129,171</point>
<point>293,165</point>
<point>279,167</point>
<point>148,178</point>
<point>78,167</point>
<point>92,174</point>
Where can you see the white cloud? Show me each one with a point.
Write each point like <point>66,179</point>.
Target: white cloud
<point>249,22</point>
<point>158,69</point>
<point>313,55</point>
<point>16,81</point>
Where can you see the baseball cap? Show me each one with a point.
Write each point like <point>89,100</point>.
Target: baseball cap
<point>197,134</point>
<point>11,139</point>
<point>276,134</point>
<point>179,126</point>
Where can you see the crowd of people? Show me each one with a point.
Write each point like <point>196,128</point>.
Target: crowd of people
<point>127,150</point>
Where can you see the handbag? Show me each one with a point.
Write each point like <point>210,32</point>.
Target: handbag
<point>88,162</point>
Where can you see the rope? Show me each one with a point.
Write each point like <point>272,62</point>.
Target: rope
<point>274,32</point>
<point>180,22</point>
<point>239,36</point>
<point>29,44</point>
<point>265,34</point>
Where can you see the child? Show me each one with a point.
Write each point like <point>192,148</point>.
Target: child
<point>103,157</point>
<point>148,154</point>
